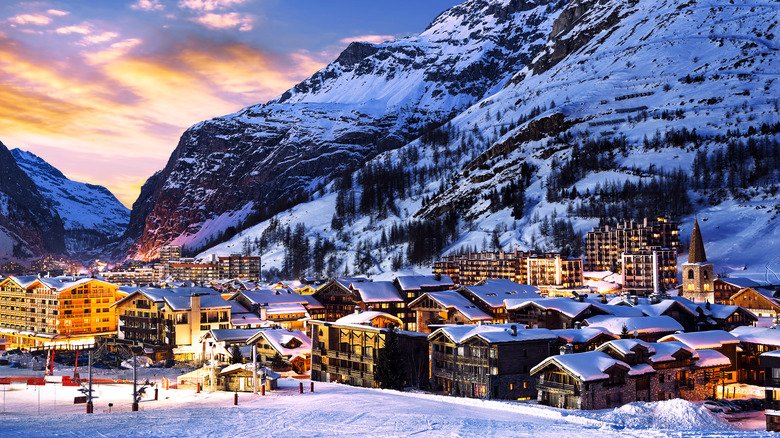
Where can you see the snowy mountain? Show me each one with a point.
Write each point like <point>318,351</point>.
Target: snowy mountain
<point>631,109</point>
<point>233,171</point>
<point>91,215</point>
<point>28,226</point>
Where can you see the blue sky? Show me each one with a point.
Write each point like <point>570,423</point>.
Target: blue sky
<point>103,89</point>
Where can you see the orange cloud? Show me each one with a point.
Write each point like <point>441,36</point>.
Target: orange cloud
<point>230,20</point>
<point>114,118</point>
<point>374,39</point>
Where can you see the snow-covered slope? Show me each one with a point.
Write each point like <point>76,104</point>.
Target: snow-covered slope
<point>680,99</point>
<point>90,214</point>
<point>247,166</point>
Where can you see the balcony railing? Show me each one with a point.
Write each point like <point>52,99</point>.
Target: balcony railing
<point>559,387</point>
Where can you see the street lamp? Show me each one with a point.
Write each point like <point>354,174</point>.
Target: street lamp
<point>136,350</point>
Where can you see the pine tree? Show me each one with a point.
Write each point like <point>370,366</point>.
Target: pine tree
<point>235,355</point>
<point>389,372</point>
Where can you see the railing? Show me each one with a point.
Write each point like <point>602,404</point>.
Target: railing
<point>771,382</point>
<point>558,387</point>
<point>128,318</point>
<point>333,354</point>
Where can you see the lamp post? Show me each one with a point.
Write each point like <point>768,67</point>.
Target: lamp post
<point>136,350</point>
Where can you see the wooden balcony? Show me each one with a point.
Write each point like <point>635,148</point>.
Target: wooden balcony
<point>352,357</point>
<point>557,387</point>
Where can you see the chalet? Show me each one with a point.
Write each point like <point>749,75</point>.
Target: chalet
<point>487,361</point>
<point>760,302</point>
<point>347,350</point>
<point>281,307</point>
<point>754,341</point>
<point>336,298</point>
<point>218,343</point>
<point>646,328</point>
<point>550,313</point>
<point>384,297</point>
<point>627,370</point>
<point>718,340</point>
<point>770,362</point>
<point>283,347</point>
<point>447,307</point>
<point>489,296</point>
<point>725,288</point>
<point>412,286</point>
<point>189,318</point>
<point>141,318</point>
<point>240,378</point>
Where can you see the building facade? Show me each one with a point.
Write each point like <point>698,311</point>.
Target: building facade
<point>605,244</point>
<point>698,279</point>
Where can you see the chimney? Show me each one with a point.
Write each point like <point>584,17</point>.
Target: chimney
<point>634,300</point>
<point>264,313</point>
<point>357,309</point>
<point>437,276</point>
<point>603,298</point>
<point>581,297</point>
<point>514,329</point>
<point>194,309</point>
<point>567,349</point>
<point>577,325</point>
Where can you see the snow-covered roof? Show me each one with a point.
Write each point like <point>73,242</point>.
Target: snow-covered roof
<point>280,340</point>
<point>712,358</point>
<point>494,333</point>
<point>177,303</point>
<point>377,291</point>
<point>627,346</point>
<point>453,300</point>
<point>740,282</point>
<point>724,311</point>
<point>365,317</point>
<point>567,306</point>
<point>272,296</point>
<point>231,335</point>
<point>417,282</point>
<point>702,340</point>
<point>619,310</point>
<point>658,309</point>
<point>590,365</point>
<point>582,335</point>
<point>494,291</point>
<point>641,324</point>
<point>757,335</point>
<point>665,351</point>
<point>312,302</point>
<point>247,318</point>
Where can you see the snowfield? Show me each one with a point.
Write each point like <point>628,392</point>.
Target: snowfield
<point>331,410</point>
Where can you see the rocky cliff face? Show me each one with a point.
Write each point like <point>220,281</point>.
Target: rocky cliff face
<point>236,169</point>
<point>29,226</point>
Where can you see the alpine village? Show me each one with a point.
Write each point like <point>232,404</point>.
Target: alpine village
<point>571,205</point>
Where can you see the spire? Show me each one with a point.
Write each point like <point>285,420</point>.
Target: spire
<point>696,250</point>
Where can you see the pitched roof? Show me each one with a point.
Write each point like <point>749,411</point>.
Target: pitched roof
<point>453,300</point>
<point>757,335</point>
<point>589,365</point>
<point>494,291</point>
<point>702,340</point>
<point>566,306</point>
<point>365,317</point>
<point>582,335</point>
<point>493,333</point>
<point>696,249</point>
<point>280,341</point>
<point>640,324</point>
<point>377,291</point>
<point>417,282</point>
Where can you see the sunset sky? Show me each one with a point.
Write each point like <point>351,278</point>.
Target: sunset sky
<point>102,90</point>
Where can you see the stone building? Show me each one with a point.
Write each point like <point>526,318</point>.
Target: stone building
<point>625,371</point>
<point>698,275</point>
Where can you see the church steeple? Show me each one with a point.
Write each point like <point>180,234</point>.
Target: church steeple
<point>696,250</point>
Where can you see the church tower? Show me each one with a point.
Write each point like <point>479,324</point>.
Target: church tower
<point>698,274</point>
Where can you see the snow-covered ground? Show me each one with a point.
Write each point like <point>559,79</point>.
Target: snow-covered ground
<point>331,410</point>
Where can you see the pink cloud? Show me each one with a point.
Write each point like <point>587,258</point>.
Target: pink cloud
<point>374,39</point>
<point>36,19</point>
<point>208,5</point>
<point>148,5</point>
<point>230,20</point>
<point>99,38</point>
<point>57,13</point>
<point>83,30</point>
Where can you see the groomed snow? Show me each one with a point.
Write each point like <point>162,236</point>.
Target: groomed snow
<point>332,410</point>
